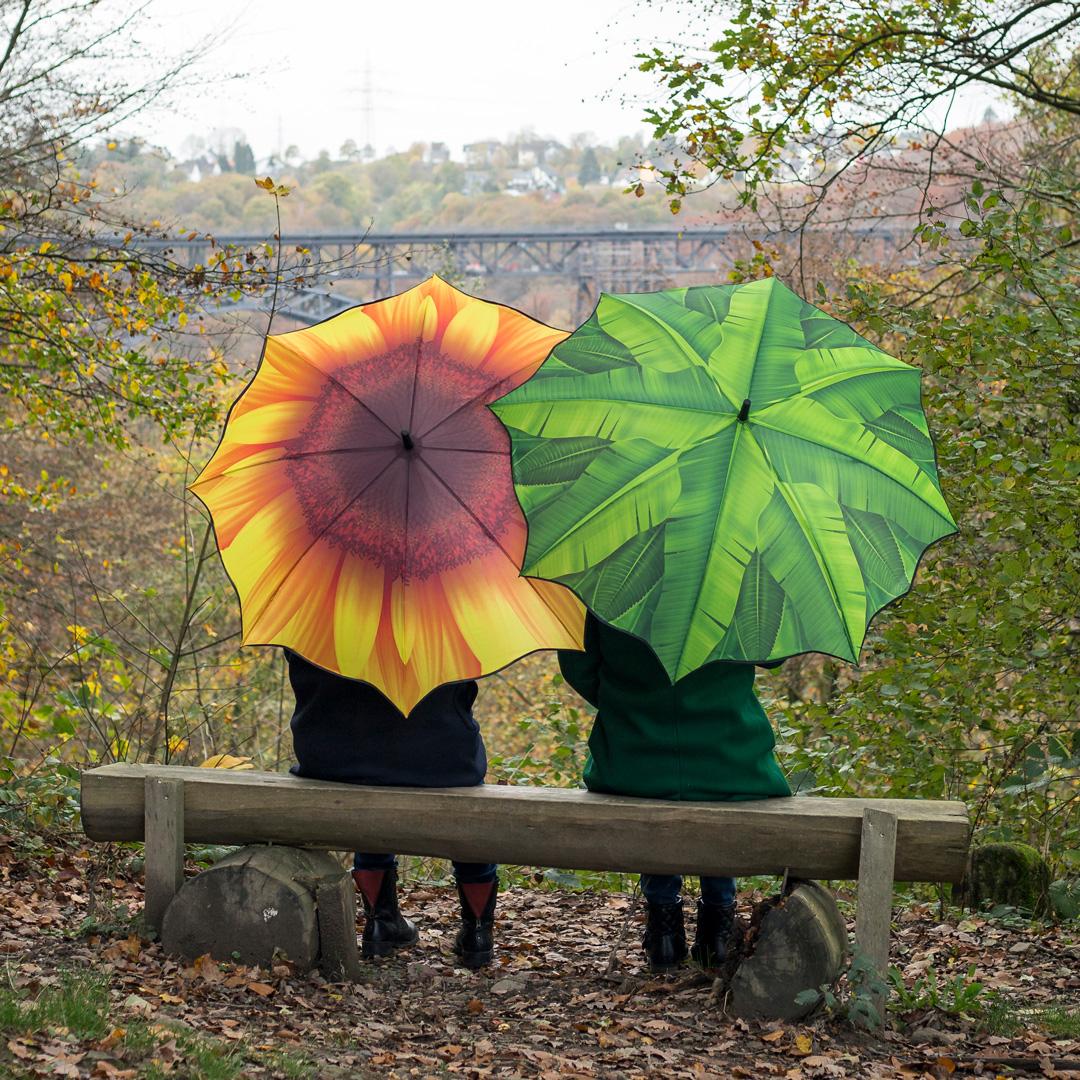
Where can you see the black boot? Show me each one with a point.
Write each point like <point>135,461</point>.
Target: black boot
<point>385,928</point>
<point>665,937</point>
<point>712,937</point>
<point>475,942</point>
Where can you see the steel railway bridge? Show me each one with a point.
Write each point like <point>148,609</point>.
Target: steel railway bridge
<point>613,260</point>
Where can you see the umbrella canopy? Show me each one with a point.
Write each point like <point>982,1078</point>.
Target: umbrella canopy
<point>727,472</point>
<point>363,502</point>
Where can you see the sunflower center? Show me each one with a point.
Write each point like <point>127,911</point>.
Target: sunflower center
<point>400,462</point>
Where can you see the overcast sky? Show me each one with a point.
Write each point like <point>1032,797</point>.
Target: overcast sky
<point>451,72</point>
<point>446,71</point>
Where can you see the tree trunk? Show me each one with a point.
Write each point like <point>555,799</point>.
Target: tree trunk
<point>261,900</point>
<point>801,944</point>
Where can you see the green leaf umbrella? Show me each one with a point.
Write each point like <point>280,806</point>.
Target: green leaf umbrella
<point>727,472</point>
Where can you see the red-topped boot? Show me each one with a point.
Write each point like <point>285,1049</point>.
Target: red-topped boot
<point>475,942</point>
<point>385,928</point>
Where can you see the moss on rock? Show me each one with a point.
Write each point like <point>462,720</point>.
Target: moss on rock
<point>1015,875</point>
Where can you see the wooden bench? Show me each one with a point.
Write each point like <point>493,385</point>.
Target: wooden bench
<point>876,841</point>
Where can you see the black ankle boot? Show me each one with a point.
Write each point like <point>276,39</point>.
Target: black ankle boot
<point>475,942</point>
<point>665,937</point>
<point>385,928</point>
<point>713,934</point>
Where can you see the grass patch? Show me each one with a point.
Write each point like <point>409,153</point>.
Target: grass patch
<point>1004,1016</point>
<point>77,1002</point>
<point>73,1014</point>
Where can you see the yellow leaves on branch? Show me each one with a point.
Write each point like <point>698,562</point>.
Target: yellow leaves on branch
<point>279,191</point>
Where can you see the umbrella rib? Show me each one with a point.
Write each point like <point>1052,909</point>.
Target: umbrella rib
<point>661,464</point>
<point>761,334</point>
<point>695,358</point>
<point>476,397</point>
<point>712,541</point>
<point>468,510</point>
<point>464,450</point>
<point>535,583</point>
<point>339,383</point>
<point>843,376</point>
<point>416,380</point>
<point>864,463</point>
<point>232,470</point>
<point>790,498</point>
<point>348,506</point>
<point>408,487</point>
<point>611,401</point>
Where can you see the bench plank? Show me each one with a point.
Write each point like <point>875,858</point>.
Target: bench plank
<point>808,837</point>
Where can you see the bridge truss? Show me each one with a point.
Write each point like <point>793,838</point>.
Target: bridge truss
<point>614,260</point>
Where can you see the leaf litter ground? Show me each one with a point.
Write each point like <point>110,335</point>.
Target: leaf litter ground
<point>557,1003</point>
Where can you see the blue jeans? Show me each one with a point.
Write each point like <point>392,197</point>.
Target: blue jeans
<point>466,873</point>
<point>665,889</point>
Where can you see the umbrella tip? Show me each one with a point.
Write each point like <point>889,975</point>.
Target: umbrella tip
<point>406,440</point>
<point>744,412</point>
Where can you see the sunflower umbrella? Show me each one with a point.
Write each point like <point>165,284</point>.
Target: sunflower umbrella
<point>727,472</point>
<point>363,502</point>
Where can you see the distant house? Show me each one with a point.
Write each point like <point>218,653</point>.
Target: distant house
<point>197,168</point>
<point>480,155</point>
<point>537,152</point>
<point>437,153</point>
<point>535,179</point>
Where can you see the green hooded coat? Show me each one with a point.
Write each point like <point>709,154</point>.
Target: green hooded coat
<point>705,738</point>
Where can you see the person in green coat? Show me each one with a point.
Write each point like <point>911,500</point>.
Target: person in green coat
<point>705,738</point>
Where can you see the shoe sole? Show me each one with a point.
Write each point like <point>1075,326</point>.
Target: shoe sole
<point>375,950</point>
<point>475,960</point>
<point>665,969</point>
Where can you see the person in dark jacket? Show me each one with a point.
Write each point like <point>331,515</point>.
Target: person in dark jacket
<point>704,738</point>
<point>348,731</point>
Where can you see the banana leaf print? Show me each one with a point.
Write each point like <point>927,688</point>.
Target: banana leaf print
<point>727,472</point>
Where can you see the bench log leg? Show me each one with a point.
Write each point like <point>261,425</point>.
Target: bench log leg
<point>877,859</point>
<point>163,817</point>
<point>335,902</point>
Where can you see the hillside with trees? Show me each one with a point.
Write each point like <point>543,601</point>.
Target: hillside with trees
<point>523,183</point>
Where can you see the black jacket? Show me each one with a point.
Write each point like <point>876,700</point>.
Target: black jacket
<point>348,731</point>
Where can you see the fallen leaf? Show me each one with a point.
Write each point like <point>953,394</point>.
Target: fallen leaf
<point>207,968</point>
<point>803,1045</point>
<point>226,761</point>
<point>112,1038</point>
<point>107,1069</point>
<point>130,948</point>
<point>475,1005</point>
<point>260,988</point>
<point>773,1036</point>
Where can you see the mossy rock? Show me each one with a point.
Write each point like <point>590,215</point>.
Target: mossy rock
<point>1013,875</point>
<point>1065,898</point>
